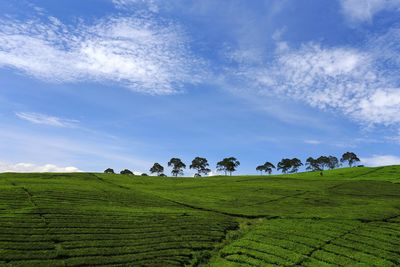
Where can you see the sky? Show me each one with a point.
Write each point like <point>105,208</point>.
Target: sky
<point>88,85</point>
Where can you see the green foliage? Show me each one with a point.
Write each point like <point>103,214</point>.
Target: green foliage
<point>177,166</point>
<point>350,157</point>
<point>109,170</point>
<point>266,167</point>
<point>321,163</point>
<point>312,164</point>
<point>157,168</point>
<point>127,172</point>
<point>333,162</point>
<point>228,165</point>
<point>201,165</point>
<point>349,217</point>
<point>289,165</point>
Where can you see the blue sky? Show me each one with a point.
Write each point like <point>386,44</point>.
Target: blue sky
<point>86,85</point>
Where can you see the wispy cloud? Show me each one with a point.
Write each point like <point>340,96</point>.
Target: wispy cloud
<point>31,167</point>
<point>361,83</point>
<point>312,142</point>
<point>380,160</point>
<point>38,118</point>
<point>364,10</point>
<point>151,5</point>
<point>138,51</point>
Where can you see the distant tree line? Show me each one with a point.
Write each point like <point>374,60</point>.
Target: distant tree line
<point>230,164</point>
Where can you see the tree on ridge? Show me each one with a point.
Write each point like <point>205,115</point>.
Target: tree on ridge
<point>177,166</point>
<point>109,170</point>
<point>157,168</point>
<point>350,157</point>
<point>228,165</point>
<point>201,165</point>
<point>266,167</point>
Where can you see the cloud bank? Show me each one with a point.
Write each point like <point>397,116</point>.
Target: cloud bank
<point>361,83</point>
<point>364,10</point>
<point>138,52</point>
<point>30,167</point>
<point>380,160</point>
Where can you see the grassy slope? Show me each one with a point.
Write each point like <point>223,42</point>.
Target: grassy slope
<point>93,219</point>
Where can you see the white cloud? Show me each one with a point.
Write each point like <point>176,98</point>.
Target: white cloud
<point>38,118</point>
<point>30,167</point>
<point>380,160</point>
<point>312,142</point>
<point>138,52</point>
<point>361,83</point>
<point>364,10</point>
<point>35,145</point>
<point>151,5</point>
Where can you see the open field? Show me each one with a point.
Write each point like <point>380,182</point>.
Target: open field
<point>348,217</point>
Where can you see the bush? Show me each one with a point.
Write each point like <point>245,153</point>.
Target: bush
<point>126,171</point>
<point>109,170</point>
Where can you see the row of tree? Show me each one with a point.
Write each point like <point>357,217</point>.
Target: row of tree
<point>229,165</point>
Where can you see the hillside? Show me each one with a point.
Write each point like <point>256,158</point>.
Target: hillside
<point>347,217</point>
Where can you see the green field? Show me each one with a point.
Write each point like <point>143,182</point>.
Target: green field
<point>348,217</point>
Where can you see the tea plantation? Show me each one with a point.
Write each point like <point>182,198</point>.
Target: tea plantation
<point>347,217</point>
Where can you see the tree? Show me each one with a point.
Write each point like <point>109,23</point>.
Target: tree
<point>333,162</point>
<point>228,165</point>
<point>200,164</point>
<point>350,157</point>
<point>162,175</point>
<point>144,174</point>
<point>177,166</point>
<point>284,165</point>
<point>312,164</point>
<point>126,171</point>
<point>109,170</point>
<point>157,168</point>
<point>266,167</point>
<point>323,162</point>
<point>289,165</point>
<point>296,163</point>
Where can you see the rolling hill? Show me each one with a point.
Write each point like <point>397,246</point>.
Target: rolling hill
<point>347,217</point>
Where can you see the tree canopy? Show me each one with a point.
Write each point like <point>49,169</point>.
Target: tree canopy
<point>157,168</point>
<point>312,164</point>
<point>126,171</point>
<point>177,166</point>
<point>228,165</point>
<point>109,170</point>
<point>350,157</point>
<point>321,163</point>
<point>266,167</point>
<point>289,165</point>
<point>333,162</point>
<point>201,165</point>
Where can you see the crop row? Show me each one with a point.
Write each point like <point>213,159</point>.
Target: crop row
<point>313,242</point>
<point>161,257</point>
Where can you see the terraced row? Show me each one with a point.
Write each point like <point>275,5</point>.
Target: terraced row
<point>74,227</point>
<point>316,243</point>
<point>163,236</point>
